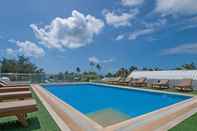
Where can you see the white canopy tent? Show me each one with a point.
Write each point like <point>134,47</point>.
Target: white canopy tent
<point>170,74</point>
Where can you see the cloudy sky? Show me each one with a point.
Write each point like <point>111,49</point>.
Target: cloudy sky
<point>60,35</point>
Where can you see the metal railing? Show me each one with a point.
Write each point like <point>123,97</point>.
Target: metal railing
<point>46,78</point>
<point>28,77</point>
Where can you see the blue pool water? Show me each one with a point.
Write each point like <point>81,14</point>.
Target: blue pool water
<point>89,98</point>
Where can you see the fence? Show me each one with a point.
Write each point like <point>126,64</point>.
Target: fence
<point>32,78</point>
<point>45,78</point>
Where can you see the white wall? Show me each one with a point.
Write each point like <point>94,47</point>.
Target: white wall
<point>171,75</point>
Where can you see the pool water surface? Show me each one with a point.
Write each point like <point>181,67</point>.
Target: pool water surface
<point>129,103</point>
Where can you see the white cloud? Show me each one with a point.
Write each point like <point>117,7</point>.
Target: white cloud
<point>118,20</point>
<point>26,48</point>
<point>12,40</point>
<point>30,49</point>
<point>107,61</point>
<point>131,2</point>
<point>190,48</point>
<point>72,32</point>
<point>11,53</point>
<point>93,59</point>
<point>134,35</point>
<point>96,60</point>
<point>120,37</point>
<point>187,27</point>
<point>156,24</point>
<point>176,7</point>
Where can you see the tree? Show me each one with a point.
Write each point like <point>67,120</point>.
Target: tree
<point>98,67</point>
<point>78,70</point>
<point>190,66</point>
<point>60,76</point>
<point>109,75</point>
<point>157,69</point>
<point>122,72</point>
<point>132,68</point>
<point>92,64</point>
<point>178,68</point>
<point>145,69</point>
<point>20,65</point>
<point>8,66</point>
<point>151,69</point>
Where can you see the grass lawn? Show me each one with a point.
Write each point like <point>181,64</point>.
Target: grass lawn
<point>38,121</point>
<point>189,124</point>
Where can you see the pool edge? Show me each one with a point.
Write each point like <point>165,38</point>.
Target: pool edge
<point>65,113</point>
<point>126,123</point>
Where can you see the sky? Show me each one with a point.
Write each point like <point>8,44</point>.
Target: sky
<point>60,35</point>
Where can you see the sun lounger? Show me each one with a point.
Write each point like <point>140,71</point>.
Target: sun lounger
<point>116,80</point>
<point>112,80</point>
<point>184,85</point>
<point>125,81</point>
<point>6,88</point>
<point>13,89</point>
<point>9,83</point>
<point>139,82</point>
<point>161,84</point>
<point>2,84</point>
<point>18,109</point>
<point>21,95</point>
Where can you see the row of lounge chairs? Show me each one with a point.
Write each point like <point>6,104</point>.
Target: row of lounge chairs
<point>184,85</point>
<point>16,100</point>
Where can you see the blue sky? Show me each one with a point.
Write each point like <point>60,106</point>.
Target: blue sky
<point>60,35</point>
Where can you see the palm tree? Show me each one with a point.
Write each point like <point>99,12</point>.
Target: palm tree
<point>98,67</point>
<point>157,69</point>
<point>191,66</point>
<point>92,64</point>
<point>122,72</point>
<point>78,70</point>
<point>132,68</point>
<point>109,74</point>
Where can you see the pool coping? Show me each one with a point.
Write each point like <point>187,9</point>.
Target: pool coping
<point>137,122</point>
<point>68,113</point>
<point>55,117</point>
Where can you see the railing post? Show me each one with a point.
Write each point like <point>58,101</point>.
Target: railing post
<point>0,69</point>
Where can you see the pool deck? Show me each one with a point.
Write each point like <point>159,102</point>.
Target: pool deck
<point>70,119</point>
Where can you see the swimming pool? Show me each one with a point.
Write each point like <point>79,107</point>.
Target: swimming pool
<point>91,99</point>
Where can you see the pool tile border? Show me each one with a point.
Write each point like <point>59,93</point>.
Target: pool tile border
<point>53,114</point>
<point>137,123</point>
<point>71,117</point>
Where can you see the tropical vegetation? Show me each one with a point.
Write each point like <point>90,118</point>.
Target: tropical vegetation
<point>23,65</point>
